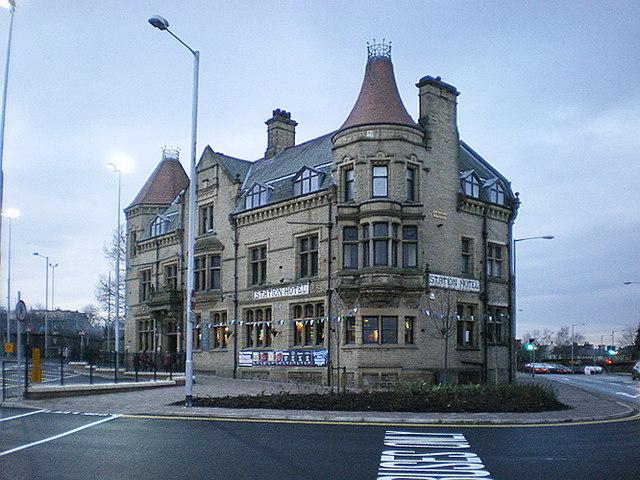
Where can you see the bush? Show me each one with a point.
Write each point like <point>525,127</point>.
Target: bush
<point>407,397</point>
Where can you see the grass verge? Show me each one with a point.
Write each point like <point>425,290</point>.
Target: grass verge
<point>407,397</point>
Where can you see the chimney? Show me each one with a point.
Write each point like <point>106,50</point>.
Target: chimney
<point>438,110</point>
<point>281,132</point>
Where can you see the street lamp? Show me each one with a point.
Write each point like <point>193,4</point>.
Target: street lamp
<point>631,283</point>
<point>11,5</point>
<point>162,24</point>
<point>9,213</point>
<point>46,302</point>
<point>53,283</point>
<point>572,339</point>
<point>514,308</point>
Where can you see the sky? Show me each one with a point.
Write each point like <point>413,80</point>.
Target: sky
<point>549,95</point>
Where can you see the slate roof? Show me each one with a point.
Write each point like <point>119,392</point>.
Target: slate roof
<point>379,101</point>
<point>235,167</point>
<point>469,159</point>
<point>164,184</point>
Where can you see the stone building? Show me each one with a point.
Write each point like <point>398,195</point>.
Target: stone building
<point>375,253</point>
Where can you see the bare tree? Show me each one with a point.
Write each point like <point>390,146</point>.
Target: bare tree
<point>629,335</point>
<point>93,314</point>
<point>441,321</point>
<point>106,285</point>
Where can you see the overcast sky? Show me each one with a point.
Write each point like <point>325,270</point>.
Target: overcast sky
<point>549,96</point>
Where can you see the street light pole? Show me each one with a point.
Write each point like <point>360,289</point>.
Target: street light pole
<point>53,283</point>
<point>162,24</point>
<point>46,303</point>
<point>10,214</point>
<point>117,170</point>
<point>11,4</point>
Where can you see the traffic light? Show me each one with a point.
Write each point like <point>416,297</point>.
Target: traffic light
<point>530,346</point>
<point>611,350</point>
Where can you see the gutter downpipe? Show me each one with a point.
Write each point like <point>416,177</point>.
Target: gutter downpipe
<point>485,296</point>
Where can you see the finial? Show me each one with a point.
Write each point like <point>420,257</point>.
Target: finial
<point>379,50</point>
<point>170,153</point>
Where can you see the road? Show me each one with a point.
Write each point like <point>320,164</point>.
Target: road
<point>617,387</point>
<point>64,445</point>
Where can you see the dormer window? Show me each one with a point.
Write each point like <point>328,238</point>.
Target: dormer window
<point>496,193</point>
<point>158,226</point>
<point>256,197</point>
<point>471,185</point>
<point>307,181</point>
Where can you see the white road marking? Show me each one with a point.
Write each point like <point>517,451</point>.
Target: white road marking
<point>627,395</point>
<point>60,435</point>
<point>22,415</point>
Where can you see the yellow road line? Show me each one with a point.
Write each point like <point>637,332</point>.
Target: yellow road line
<point>381,424</point>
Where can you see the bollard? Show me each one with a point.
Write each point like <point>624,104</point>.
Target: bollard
<point>136,364</point>
<point>90,369</point>
<point>155,366</point>
<point>115,367</point>
<point>170,369</point>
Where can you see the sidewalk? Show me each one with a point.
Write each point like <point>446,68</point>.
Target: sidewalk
<point>584,406</point>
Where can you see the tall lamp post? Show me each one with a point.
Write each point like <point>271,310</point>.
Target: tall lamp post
<point>118,171</point>
<point>162,24</point>
<point>573,336</point>
<point>53,283</point>
<point>46,302</point>
<point>513,274</point>
<point>11,5</point>
<point>10,214</point>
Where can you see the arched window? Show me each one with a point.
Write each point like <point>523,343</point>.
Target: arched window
<point>471,185</point>
<point>307,181</point>
<point>256,197</point>
<point>496,193</point>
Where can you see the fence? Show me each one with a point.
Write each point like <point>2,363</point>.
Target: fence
<point>11,379</point>
<point>96,368</point>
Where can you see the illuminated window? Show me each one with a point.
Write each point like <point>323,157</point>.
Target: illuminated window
<point>308,325</point>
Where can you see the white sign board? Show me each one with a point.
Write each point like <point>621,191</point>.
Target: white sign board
<point>289,291</point>
<point>454,283</point>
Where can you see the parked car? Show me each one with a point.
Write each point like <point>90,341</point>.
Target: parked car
<point>537,367</point>
<point>635,373</point>
<point>555,368</point>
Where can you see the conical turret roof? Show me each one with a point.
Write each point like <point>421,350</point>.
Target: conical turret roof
<point>164,184</point>
<point>379,101</point>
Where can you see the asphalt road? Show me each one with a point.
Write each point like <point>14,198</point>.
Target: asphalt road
<point>616,387</point>
<point>78,446</point>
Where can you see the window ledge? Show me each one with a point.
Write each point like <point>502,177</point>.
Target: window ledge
<point>467,349</point>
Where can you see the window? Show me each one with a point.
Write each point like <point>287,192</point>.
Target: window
<point>349,178</point>
<point>494,260</point>
<point>409,246</point>
<point>380,181</point>
<point>496,324</point>
<point>158,226</point>
<point>308,256</point>
<point>308,325</point>
<point>200,272</point>
<point>197,332</point>
<point>306,182</point>
<point>411,184</point>
<point>465,326</point>
<point>214,272</point>
<point>394,244</point>
<point>258,268</point>
<point>466,258</point>
<point>382,330</point>
<point>256,197</point>
<point>133,239</point>
<point>350,248</point>
<point>171,277</point>
<point>471,185</point>
<point>206,219</point>
<point>409,323</point>
<point>350,330</point>
<point>145,285</point>
<point>259,332</point>
<point>380,244</point>
<point>496,194</point>
<point>365,246</point>
<point>221,331</point>
<point>146,330</point>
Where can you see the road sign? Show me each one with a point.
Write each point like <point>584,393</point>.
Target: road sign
<point>21,311</point>
<point>8,347</point>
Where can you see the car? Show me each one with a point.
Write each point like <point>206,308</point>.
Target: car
<point>537,367</point>
<point>555,368</point>
<point>635,373</point>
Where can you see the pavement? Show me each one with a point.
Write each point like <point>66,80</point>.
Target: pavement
<point>586,405</point>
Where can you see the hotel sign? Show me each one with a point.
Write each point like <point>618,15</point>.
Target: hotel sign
<point>454,283</point>
<point>289,291</point>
